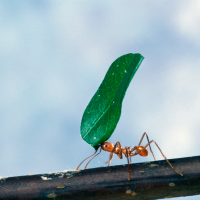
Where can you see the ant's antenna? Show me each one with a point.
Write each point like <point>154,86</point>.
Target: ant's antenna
<point>92,158</point>
<point>86,159</point>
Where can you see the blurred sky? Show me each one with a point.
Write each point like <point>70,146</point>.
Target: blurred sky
<point>53,57</point>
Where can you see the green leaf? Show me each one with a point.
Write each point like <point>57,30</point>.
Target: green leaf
<point>103,112</point>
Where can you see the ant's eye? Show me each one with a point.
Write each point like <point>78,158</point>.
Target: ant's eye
<point>106,145</point>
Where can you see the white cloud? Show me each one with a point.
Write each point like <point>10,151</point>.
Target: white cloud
<point>187,20</point>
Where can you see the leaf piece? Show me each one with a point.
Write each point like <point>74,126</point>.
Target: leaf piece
<point>103,111</point>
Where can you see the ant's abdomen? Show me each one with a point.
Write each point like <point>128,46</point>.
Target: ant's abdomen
<point>142,151</point>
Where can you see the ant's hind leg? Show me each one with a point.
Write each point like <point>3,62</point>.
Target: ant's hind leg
<point>148,143</point>
<point>163,156</point>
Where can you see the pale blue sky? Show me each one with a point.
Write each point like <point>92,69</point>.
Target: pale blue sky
<point>53,57</point>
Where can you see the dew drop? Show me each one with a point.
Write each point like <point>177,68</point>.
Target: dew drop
<point>125,71</point>
<point>95,138</point>
<point>113,73</point>
<point>99,95</point>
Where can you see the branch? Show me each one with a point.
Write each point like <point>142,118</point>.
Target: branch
<point>150,180</point>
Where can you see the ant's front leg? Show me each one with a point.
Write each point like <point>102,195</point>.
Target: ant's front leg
<point>116,149</point>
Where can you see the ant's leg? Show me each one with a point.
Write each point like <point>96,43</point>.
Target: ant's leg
<point>148,143</point>
<point>141,139</point>
<point>110,158</point>
<point>91,159</point>
<point>111,154</point>
<point>113,150</point>
<point>129,170</point>
<point>163,156</point>
<point>119,154</point>
<point>130,160</point>
<point>86,159</point>
<point>135,153</point>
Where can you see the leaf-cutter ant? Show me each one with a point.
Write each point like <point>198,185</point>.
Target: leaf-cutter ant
<point>117,149</point>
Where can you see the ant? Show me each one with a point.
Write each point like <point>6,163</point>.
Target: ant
<point>117,149</point>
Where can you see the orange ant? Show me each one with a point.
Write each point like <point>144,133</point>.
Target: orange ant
<point>117,149</point>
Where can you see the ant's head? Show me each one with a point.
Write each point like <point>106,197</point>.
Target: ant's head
<point>107,146</point>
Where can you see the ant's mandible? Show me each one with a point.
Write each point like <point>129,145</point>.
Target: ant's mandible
<point>117,149</point>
